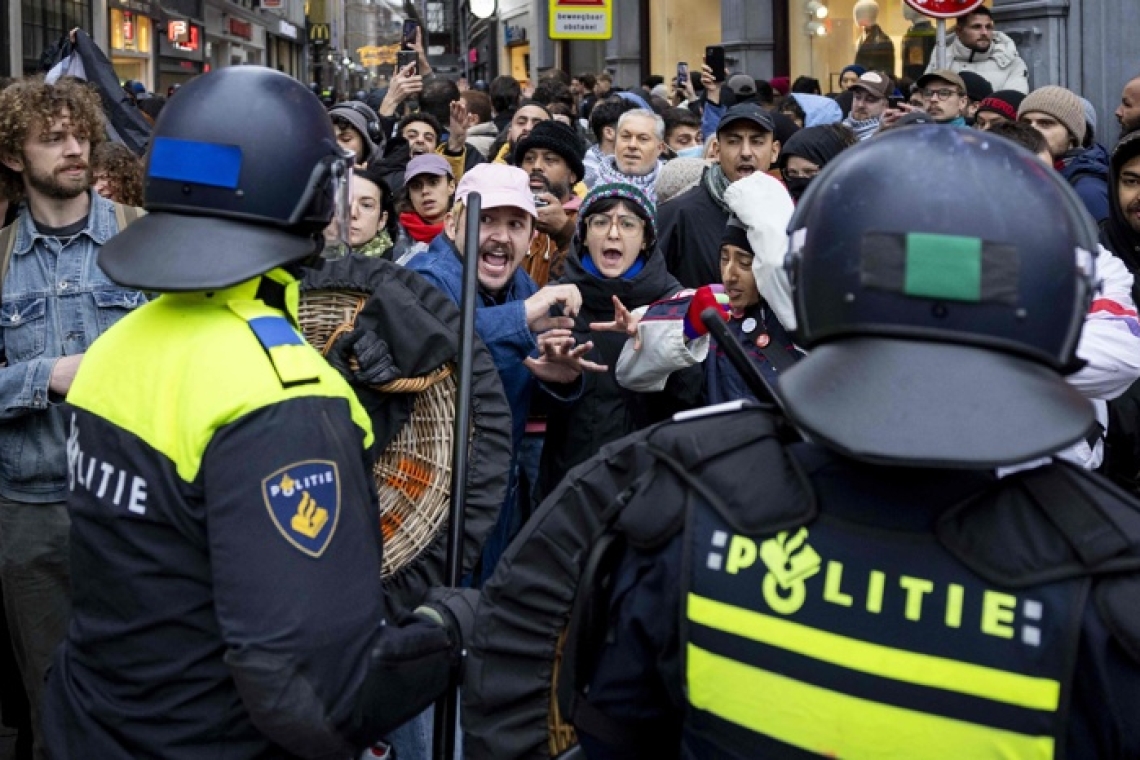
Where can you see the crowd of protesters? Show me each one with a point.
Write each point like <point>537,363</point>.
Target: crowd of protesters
<point>611,218</point>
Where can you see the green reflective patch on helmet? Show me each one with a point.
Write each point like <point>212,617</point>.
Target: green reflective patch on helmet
<point>940,267</point>
<point>943,266</point>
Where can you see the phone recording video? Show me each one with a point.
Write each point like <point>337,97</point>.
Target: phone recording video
<point>408,36</point>
<point>682,75</point>
<point>405,58</point>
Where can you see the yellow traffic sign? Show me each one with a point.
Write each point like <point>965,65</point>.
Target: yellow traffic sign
<point>581,19</point>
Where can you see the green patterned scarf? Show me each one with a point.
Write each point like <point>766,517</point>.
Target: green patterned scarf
<point>716,182</point>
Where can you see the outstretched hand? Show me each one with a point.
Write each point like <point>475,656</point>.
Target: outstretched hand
<point>560,360</point>
<point>625,321</point>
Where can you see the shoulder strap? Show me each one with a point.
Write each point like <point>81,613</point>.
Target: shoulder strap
<point>1049,524</point>
<point>291,357</point>
<point>584,641</point>
<point>706,455</point>
<point>125,215</point>
<point>7,245</point>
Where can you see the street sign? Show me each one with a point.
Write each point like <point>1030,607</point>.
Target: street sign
<point>377,55</point>
<point>581,19</point>
<point>944,8</point>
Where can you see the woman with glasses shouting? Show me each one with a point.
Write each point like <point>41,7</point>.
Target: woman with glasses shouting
<point>614,259</point>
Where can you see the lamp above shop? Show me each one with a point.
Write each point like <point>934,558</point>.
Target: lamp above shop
<point>815,29</point>
<point>816,9</point>
<point>483,8</point>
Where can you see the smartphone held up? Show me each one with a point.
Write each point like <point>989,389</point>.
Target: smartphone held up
<point>405,58</point>
<point>714,59</point>
<point>409,33</point>
<point>682,75</point>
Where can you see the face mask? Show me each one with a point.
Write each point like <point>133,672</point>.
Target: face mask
<point>797,185</point>
<point>696,151</point>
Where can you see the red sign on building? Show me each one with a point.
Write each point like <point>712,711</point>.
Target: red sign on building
<point>183,35</point>
<point>239,28</point>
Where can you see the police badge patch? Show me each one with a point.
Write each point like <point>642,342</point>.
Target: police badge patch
<point>303,500</point>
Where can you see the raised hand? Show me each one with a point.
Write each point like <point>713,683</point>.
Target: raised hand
<point>624,321</point>
<point>457,126</point>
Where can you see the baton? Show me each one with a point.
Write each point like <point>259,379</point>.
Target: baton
<point>757,383</point>
<point>447,708</point>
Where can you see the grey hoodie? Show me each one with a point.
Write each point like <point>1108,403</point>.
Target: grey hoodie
<point>481,136</point>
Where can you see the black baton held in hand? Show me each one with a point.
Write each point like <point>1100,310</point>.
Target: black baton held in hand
<point>757,383</point>
<point>446,709</point>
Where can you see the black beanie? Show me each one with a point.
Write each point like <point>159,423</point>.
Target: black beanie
<point>558,137</point>
<point>736,234</point>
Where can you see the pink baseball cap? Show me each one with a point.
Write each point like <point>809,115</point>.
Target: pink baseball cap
<point>498,185</point>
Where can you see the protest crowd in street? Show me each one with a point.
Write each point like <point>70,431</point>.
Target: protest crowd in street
<point>930,292</point>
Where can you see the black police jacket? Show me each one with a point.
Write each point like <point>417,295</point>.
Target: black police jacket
<point>1027,535</point>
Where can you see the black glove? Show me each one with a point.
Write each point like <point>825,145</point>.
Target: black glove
<point>376,365</point>
<point>454,608</point>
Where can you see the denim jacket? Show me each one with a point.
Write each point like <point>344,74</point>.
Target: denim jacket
<point>55,302</point>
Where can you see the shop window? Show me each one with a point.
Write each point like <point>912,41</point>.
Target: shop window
<point>436,18</point>
<point>828,35</point>
<point>45,22</point>
<point>130,32</point>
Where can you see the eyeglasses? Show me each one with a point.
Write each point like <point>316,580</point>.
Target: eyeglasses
<point>942,94</point>
<point>627,225</point>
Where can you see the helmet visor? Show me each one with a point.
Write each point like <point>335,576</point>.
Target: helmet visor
<point>337,234</point>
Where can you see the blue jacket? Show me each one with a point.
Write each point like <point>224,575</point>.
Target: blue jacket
<point>1087,172</point>
<point>500,321</point>
<point>55,302</point>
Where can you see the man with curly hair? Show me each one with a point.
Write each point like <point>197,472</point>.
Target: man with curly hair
<point>117,174</point>
<point>55,302</point>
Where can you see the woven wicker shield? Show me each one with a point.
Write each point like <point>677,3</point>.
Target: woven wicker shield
<point>413,471</point>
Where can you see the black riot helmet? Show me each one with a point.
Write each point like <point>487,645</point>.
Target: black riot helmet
<point>243,174</point>
<point>941,278</point>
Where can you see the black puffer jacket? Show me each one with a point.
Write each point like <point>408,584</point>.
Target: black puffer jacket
<point>606,411</point>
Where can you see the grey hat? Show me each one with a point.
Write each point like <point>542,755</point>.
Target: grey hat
<point>358,115</point>
<point>742,85</point>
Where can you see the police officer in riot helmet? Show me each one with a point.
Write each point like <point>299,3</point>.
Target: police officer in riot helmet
<point>225,540</point>
<point>910,575</point>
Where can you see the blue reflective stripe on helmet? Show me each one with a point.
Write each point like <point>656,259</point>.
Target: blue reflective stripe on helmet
<point>199,163</point>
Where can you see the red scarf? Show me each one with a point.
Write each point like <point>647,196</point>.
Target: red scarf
<point>421,231</point>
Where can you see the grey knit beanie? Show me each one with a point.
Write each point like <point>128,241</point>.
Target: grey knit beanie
<point>1063,105</point>
<point>677,176</point>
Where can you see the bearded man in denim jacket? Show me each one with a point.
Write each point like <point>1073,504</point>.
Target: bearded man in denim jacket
<point>55,302</point>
